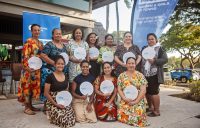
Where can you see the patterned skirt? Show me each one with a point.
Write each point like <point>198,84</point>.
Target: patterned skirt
<point>104,113</point>
<point>62,117</point>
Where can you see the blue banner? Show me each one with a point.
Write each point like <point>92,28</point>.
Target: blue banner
<point>150,16</point>
<point>47,23</point>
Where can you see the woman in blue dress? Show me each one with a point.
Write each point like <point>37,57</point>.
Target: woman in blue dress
<point>51,49</point>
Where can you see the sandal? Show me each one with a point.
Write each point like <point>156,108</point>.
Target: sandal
<point>152,114</point>
<point>35,109</point>
<point>28,111</point>
<point>148,110</point>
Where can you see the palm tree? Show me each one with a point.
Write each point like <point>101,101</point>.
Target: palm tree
<point>128,5</point>
<point>107,18</point>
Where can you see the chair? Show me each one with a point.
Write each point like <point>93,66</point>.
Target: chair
<point>2,80</point>
<point>16,74</point>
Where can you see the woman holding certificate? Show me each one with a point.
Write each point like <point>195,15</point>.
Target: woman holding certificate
<point>52,49</point>
<point>78,51</point>
<point>92,40</point>
<point>106,91</point>
<point>83,93</point>
<point>154,57</point>
<point>59,99</point>
<point>106,53</point>
<point>127,49</point>
<point>132,88</point>
<point>29,85</point>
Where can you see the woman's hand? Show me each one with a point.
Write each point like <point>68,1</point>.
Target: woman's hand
<point>107,94</point>
<point>127,100</point>
<point>151,61</point>
<point>75,60</point>
<point>60,106</point>
<point>123,65</point>
<point>107,104</point>
<point>83,97</point>
<point>93,58</point>
<point>133,102</point>
<point>30,70</point>
<point>89,108</point>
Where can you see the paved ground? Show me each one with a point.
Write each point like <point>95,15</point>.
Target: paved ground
<point>175,113</point>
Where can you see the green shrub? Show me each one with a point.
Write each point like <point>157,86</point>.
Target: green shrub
<point>195,90</point>
<point>3,53</point>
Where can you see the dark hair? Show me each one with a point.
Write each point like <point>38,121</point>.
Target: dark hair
<point>33,25</point>
<point>84,61</point>
<point>152,34</point>
<point>112,72</point>
<point>129,59</point>
<point>127,32</point>
<point>52,32</point>
<point>106,36</point>
<point>88,39</point>
<point>73,33</point>
<point>57,57</point>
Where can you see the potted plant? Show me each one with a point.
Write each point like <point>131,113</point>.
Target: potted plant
<point>3,53</point>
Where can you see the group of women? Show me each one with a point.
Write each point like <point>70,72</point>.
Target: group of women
<point>56,76</point>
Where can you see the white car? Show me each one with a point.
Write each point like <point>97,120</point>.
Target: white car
<point>195,75</point>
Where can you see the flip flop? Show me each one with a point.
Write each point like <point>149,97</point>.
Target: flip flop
<point>28,111</point>
<point>153,114</point>
<point>35,109</point>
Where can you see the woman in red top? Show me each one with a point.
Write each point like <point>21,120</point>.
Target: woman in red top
<point>105,107</point>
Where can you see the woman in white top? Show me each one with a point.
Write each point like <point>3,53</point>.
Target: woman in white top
<point>76,42</point>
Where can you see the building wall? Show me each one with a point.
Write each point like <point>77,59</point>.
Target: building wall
<point>67,15</point>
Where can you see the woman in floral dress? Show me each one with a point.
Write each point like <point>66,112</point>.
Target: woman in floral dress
<point>76,42</point>
<point>132,112</point>
<point>105,107</point>
<point>29,85</point>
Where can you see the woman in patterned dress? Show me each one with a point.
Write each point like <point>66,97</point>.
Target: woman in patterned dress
<point>107,47</point>
<point>128,46</point>
<point>105,107</point>
<point>51,49</point>
<point>92,40</point>
<point>60,115</point>
<point>29,85</point>
<point>76,42</point>
<point>132,112</point>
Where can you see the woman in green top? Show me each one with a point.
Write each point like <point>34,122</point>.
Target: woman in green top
<point>107,47</point>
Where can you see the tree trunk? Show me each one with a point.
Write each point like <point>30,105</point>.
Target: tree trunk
<point>117,16</point>
<point>107,18</point>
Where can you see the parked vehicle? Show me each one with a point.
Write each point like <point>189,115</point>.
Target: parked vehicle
<point>182,75</point>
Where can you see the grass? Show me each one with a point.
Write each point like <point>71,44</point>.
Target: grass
<point>186,96</point>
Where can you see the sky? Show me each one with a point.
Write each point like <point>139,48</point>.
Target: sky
<point>99,15</point>
<point>124,14</point>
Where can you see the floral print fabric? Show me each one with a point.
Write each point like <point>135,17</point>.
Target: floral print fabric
<point>105,113</point>
<point>102,50</point>
<point>132,114</point>
<point>74,68</point>
<point>28,86</point>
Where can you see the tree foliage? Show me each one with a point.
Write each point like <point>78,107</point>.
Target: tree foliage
<point>187,11</point>
<point>186,40</point>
